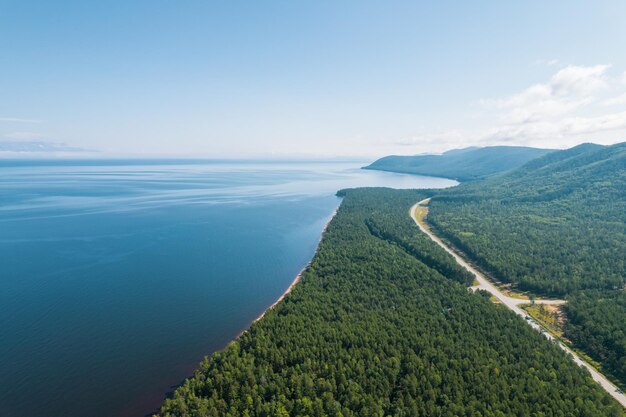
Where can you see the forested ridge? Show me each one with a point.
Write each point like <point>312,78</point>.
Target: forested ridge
<point>556,226</point>
<point>375,329</point>
<point>461,164</point>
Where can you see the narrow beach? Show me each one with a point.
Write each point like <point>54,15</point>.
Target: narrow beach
<point>296,279</point>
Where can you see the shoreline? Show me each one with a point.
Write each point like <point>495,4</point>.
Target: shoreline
<point>282,297</point>
<point>296,280</point>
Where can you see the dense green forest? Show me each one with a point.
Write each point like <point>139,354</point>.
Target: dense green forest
<point>461,164</point>
<point>596,321</point>
<point>382,324</point>
<point>556,226</point>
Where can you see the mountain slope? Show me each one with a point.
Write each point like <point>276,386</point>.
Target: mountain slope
<point>461,164</point>
<point>569,212</point>
<point>555,226</point>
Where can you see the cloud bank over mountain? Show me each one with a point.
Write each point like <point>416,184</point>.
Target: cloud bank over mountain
<point>577,103</point>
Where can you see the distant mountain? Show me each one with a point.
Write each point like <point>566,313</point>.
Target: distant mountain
<point>462,164</point>
<point>582,168</point>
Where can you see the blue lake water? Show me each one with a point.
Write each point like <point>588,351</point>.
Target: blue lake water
<point>118,277</point>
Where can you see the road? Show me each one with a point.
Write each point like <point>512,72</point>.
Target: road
<point>513,304</point>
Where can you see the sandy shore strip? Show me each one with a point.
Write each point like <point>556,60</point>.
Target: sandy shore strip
<point>287,291</point>
<point>297,278</point>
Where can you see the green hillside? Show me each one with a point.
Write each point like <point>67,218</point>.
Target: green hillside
<point>461,164</point>
<point>555,226</point>
<point>382,324</point>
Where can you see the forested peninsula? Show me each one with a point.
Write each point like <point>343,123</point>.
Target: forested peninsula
<point>382,324</point>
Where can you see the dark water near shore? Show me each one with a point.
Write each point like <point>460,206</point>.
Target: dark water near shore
<point>117,278</point>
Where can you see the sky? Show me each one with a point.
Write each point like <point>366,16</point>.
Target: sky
<point>307,79</point>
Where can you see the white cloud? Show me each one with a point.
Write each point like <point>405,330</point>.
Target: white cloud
<point>570,105</point>
<point>18,120</point>
<point>12,148</point>
<point>615,101</point>
<point>569,89</point>
<point>588,125</point>
<point>566,128</point>
<point>575,80</point>
<point>576,104</point>
<point>24,135</point>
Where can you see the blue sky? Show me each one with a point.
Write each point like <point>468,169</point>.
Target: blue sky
<point>308,79</point>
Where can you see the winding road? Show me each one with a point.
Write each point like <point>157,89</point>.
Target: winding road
<point>514,303</point>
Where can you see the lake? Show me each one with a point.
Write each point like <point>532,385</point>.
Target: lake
<point>119,276</point>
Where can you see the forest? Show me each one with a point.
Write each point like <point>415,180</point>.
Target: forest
<point>596,320</point>
<point>382,324</point>
<point>555,227</point>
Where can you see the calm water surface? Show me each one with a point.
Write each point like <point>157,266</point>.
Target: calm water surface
<point>118,277</point>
